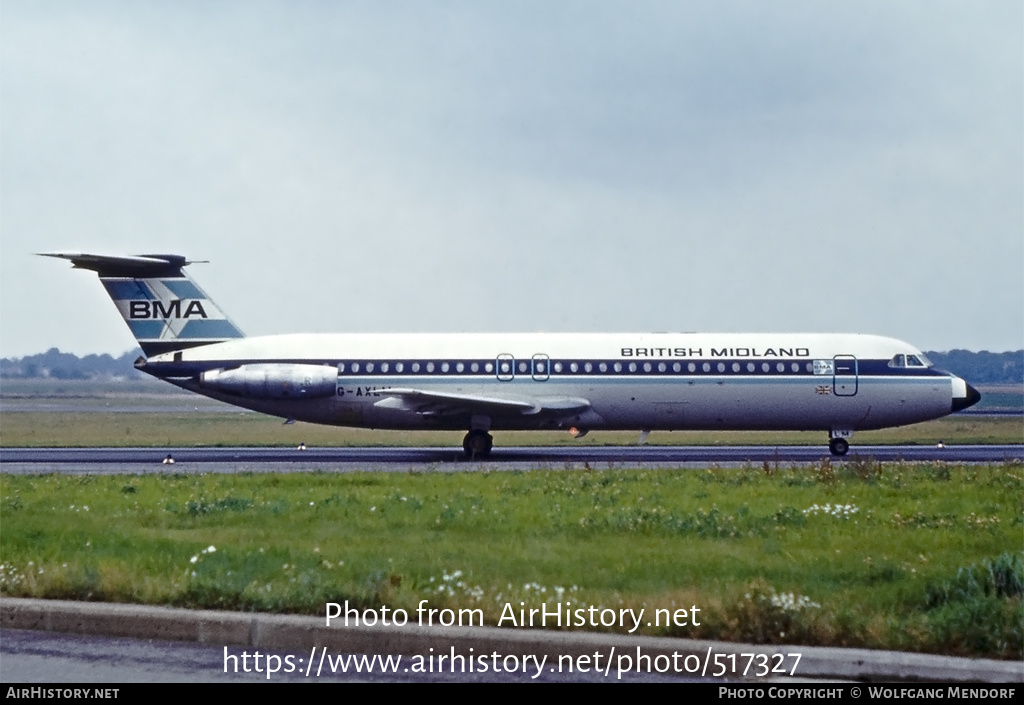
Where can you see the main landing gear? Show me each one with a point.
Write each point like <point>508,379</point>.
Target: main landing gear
<point>477,444</point>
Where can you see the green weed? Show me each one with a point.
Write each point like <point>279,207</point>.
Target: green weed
<point>872,559</point>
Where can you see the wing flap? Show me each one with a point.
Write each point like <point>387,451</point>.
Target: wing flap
<point>431,403</point>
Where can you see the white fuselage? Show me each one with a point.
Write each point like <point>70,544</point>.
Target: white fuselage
<point>831,382</point>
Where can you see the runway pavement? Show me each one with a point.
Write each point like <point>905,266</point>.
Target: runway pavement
<point>141,460</point>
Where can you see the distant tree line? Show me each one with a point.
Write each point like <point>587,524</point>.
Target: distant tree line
<point>976,367</point>
<point>982,367</point>
<point>59,365</point>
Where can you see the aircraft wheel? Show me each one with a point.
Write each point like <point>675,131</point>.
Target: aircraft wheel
<point>838,446</point>
<point>477,444</point>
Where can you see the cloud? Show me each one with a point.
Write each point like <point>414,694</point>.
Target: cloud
<point>494,166</point>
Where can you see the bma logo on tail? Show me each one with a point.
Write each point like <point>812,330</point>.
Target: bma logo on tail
<point>147,310</point>
<point>164,309</point>
<point>168,312</point>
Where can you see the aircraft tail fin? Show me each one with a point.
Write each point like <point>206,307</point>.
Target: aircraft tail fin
<point>162,306</point>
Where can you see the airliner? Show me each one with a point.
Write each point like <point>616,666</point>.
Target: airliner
<point>481,382</point>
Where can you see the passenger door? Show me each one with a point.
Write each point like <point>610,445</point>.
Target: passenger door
<point>844,376</point>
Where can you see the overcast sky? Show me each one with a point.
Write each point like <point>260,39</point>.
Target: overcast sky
<point>520,166</point>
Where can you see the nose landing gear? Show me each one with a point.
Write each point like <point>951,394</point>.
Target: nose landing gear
<point>838,446</point>
<point>839,441</point>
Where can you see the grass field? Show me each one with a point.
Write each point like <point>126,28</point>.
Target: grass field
<point>175,428</point>
<point>925,557</point>
<point>921,557</point>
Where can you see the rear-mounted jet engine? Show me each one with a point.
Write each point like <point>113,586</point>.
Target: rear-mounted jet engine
<point>273,381</point>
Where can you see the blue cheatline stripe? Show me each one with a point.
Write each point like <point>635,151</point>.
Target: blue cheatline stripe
<point>866,368</point>
<point>128,291</point>
<point>883,373</point>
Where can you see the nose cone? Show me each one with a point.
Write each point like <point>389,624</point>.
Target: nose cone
<point>964,395</point>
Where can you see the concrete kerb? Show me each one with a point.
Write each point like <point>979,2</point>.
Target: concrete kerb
<point>303,633</point>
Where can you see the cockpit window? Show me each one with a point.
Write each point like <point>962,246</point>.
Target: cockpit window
<point>909,361</point>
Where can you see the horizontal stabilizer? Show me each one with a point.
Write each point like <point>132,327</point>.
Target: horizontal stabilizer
<point>125,265</point>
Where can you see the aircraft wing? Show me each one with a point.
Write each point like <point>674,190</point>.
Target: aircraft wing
<point>431,403</point>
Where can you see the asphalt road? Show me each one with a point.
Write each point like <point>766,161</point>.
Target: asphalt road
<point>141,460</point>
<point>49,657</point>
